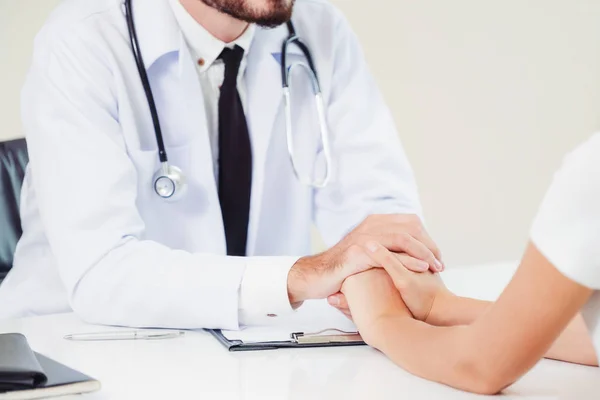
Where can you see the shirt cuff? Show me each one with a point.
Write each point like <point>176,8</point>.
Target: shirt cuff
<point>263,291</point>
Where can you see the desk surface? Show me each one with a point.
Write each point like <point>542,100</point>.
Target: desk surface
<point>197,366</point>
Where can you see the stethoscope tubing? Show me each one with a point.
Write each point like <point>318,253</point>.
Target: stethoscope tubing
<point>174,174</point>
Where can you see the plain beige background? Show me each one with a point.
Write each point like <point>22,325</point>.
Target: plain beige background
<point>487,96</point>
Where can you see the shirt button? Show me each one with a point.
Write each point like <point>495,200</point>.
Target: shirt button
<point>201,62</point>
<point>272,315</point>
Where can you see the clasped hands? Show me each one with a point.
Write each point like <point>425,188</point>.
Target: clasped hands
<point>375,296</point>
<point>386,267</point>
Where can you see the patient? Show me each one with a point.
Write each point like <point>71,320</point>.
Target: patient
<point>483,347</point>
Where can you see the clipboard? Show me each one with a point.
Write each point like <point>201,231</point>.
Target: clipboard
<point>315,324</point>
<point>326,338</point>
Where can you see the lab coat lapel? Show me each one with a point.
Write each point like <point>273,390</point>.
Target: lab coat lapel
<point>265,95</point>
<point>263,79</point>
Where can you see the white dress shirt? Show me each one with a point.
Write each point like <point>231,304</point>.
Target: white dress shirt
<point>263,291</point>
<point>205,48</point>
<point>567,228</point>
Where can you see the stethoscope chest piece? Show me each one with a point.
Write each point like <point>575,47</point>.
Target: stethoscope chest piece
<point>169,182</point>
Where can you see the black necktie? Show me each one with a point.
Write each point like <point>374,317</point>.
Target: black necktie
<point>235,157</point>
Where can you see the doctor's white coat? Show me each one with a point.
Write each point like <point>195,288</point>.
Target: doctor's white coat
<point>98,241</point>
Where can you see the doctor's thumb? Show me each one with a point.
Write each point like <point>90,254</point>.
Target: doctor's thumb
<point>338,301</point>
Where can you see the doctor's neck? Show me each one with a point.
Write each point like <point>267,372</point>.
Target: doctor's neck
<point>227,20</point>
<point>222,26</point>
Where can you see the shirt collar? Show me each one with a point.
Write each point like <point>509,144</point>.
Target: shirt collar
<point>203,45</point>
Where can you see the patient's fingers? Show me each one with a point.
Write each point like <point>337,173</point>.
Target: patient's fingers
<point>405,243</point>
<point>412,264</point>
<point>390,262</point>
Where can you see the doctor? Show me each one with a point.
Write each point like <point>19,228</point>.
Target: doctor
<point>172,185</point>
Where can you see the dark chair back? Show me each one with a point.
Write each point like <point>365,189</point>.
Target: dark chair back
<point>13,161</point>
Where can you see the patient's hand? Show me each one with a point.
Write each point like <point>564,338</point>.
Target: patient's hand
<point>370,296</point>
<point>419,291</point>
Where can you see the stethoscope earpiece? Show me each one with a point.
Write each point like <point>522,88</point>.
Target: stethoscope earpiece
<point>169,182</point>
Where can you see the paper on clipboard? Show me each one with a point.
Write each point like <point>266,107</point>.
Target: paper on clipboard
<point>315,316</point>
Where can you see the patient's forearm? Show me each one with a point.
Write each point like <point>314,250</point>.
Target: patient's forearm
<point>573,345</point>
<point>440,354</point>
<point>455,310</point>
<point>501,344</point>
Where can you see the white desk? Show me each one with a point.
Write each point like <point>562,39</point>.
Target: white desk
<point>197,366</point>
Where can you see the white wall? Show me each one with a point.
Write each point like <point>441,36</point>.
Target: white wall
<point>487,95</point>
<point>19,22</point>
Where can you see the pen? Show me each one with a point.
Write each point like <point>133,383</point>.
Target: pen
<point>125,335</point>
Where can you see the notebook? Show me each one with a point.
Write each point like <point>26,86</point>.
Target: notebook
<point>26,375</point>
<point>315,324</point>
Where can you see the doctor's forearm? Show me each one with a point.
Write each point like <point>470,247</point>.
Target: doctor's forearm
<point>143,283</point>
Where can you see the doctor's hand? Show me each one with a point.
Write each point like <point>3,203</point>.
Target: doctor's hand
<point>322,275</point>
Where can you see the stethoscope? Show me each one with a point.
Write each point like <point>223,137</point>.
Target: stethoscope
<point>169,181</point>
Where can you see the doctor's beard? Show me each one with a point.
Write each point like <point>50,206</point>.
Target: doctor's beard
<point>266,13</point>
